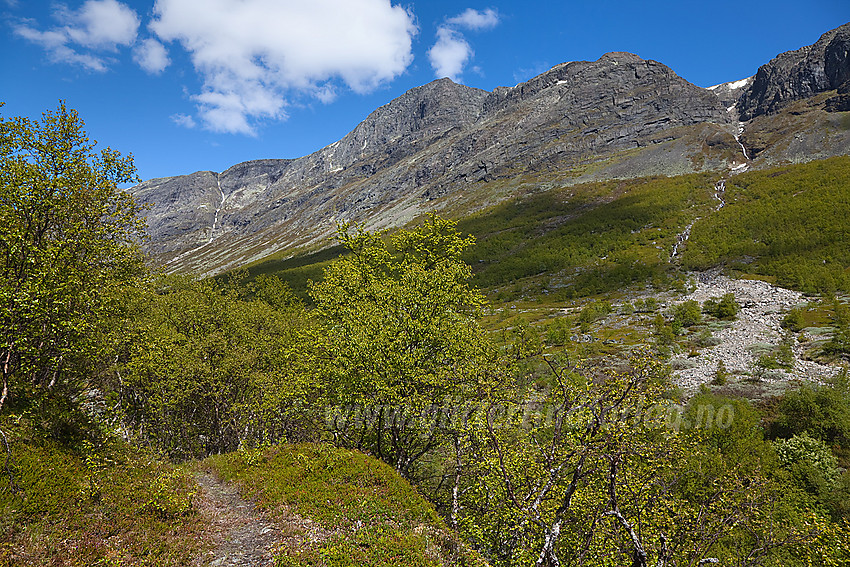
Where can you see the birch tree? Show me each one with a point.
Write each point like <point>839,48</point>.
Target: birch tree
<point>397,339</point>
<point>67,245</point>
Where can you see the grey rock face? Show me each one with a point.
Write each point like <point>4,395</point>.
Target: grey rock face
<point>799,74</point>
<point>443,144</point>
<point>430,143</point>
<point>254,195</point>
<point>411,121</point>
<point>729,93</point>
<point>181,208</point>
<point>841,101</point>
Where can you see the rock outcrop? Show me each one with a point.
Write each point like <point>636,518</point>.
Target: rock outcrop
<point>799,74</point>
<point>729,93</point>
<point>841,101</point>
<point>759,323</point>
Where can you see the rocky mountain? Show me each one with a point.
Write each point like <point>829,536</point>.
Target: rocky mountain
<point>799,74</point>
<point>453,148</point>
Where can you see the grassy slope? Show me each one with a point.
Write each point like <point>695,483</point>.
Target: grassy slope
<point>368,515</point>
<point>297,270</point>
<point>786,224</point>
<point>556,237</point>
<point>81,507</point>
<point>581,241</point>
<point>121,506</point>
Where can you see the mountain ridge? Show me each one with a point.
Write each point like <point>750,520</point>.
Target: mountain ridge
<point>798,74</point>
<point>444,146</point>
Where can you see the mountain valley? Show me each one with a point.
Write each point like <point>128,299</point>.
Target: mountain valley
<point>598,318</point>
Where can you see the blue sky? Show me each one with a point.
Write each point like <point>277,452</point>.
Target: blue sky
<point>188,85</point>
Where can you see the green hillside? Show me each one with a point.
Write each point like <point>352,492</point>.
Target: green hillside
<point>398,417</point>
<point>98,502</point>
<point>369,516</point>
<point>784,223</point>
<point>787,223</point>
<point>109,503</point>
<point>588,239</point>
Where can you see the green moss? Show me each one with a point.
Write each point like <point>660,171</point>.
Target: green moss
<point>371,514</point>
<point>378,546</point>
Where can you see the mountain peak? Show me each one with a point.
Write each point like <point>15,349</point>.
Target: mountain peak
<point>798,74</point>
<point>445,146</point>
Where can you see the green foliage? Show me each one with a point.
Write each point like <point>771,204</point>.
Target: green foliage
<point>770,357</point>
<point>396,336</point>
<point>594,311</point>
<point>535,481</point>
<point>204,370</point>
<point>706,339</point>
<point>373,516</point>
<point>728,425</point>
<point>531,459</point>
<point>75,495</point>
<point>725,308</point>
<point>687,314</point>
<point>733,453</point>
<point>814,452</point>
<point>784,223</point>
<point>296,270</point>
<point>784,354</point>
<point>558,331</point>
<point>840,342</point>
<point>794,320</point>
<point>721,374</point>
<point>831,547</point>
<point>813,427</point>
<point>597,237</point>
<point>601,470</point>
<point>525,341</point>
<point>814,468</point>
<point>66,234</point>
<point>172,494</point>
<point>821,411</point>
<point>787,223</point>
<point>275,292</point>
<point>646,305</point>
<point>97,504</point>
<point>665,336</point>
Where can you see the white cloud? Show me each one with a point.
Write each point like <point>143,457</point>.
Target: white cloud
<point>451,52</point>
<point>56,45</point>
<point>101,24</point>
<point>475,20</point>
<point>97,25</point>
<point>253,55</point>
<point>183,120</point>
<point>151,56</point>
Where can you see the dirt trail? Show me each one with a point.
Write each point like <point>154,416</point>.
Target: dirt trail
<point>245,536</point>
